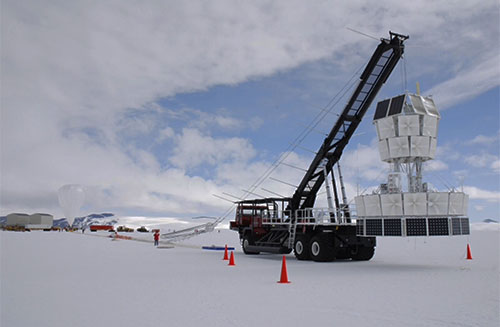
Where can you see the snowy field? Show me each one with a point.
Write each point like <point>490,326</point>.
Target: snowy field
<point>73,279</point>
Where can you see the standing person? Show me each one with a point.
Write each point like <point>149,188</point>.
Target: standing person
<point>157,237</point>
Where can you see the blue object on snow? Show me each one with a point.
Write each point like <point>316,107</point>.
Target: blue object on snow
<point>217,248</point>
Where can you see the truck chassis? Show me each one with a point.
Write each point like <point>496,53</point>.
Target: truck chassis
<point>314,235</point>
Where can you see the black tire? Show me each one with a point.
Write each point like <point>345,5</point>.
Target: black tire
<point>301,248</point>
<point>247,240</point>
<point>322,249</point>
<point>363,253</point>
<point>343,254</point>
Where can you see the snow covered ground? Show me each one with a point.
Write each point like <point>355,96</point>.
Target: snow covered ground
<point>73,279</point>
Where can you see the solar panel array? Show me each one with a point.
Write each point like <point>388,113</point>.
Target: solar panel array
<point>416,227</point>
<point>360,227</point>
<point>456,228</point>
<point>389,107</point>
<point>397,105</point>
<point>464,224</point>
<point>374,227</point>
<point>394,106</point>
<point>440,226</point>
<point>381,110</point>
<point>392,227</point>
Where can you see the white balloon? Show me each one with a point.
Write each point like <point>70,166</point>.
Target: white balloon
<point>71,198</point>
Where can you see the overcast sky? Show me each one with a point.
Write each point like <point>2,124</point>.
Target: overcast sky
<point>153,106</point>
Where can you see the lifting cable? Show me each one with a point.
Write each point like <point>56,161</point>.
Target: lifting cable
<point>383,171</point>
<point>404,77</point>
<point>300,137</point>
<point>306,131</point>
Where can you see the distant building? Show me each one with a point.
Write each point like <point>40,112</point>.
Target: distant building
<point>40,221</point>
<point>17,219</point>
<point>34,221</point>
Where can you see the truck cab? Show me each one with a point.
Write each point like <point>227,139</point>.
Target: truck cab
<point>254,215</point>
<point>257,220</point>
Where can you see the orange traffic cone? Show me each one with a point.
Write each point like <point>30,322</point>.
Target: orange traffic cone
<point>225,254</point>
<point>284,274</point>
<point>469,254</point>
<point>231,260</point>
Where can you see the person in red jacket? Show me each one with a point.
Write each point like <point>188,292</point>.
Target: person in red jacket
<point>157,237</point>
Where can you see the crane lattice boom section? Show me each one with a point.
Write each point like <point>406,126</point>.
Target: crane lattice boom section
<point>378,69</point>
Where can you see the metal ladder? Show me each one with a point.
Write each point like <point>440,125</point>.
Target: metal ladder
<point>292,230</point>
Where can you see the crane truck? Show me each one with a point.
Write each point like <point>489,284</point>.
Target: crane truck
<point>407,137</point>
<point>280,225</point>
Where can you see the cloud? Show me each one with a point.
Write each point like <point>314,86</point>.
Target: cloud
<point>482,160</point>
<point>480,194</point>
<point>82,87</point>
<point>474,80</point>
<point>495,166</point>
<point>202,120</point>
<point>479,208</point>
<point>256,122</point>
<point>435,165</point>
<point>261,176</point>
<point>193,149</point>
<point>165,133</point>
<point>448,151</point>
<point>484,140</point>
<point>364,162</point>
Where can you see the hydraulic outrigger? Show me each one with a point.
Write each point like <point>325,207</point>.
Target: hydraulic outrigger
<point>279,225</point>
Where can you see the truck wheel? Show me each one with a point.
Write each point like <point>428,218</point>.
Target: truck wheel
<point>247,240</point>
<point>322,249</point>
<point>343,254</point>
<point>301,248</point>
<point>363,253</point>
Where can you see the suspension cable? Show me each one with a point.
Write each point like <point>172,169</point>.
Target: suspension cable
<point>300,137</point>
